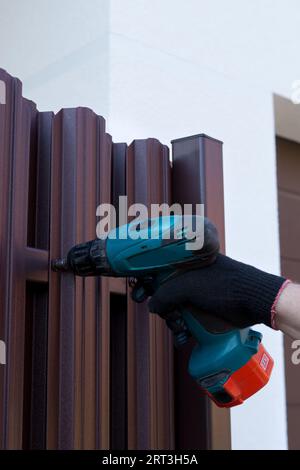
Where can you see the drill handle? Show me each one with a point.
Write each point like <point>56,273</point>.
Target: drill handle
<point>179,322</point>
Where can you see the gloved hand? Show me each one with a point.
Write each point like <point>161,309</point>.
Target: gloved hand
<point>232,291</point>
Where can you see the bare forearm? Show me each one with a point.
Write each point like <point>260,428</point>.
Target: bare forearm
<point>288,311</point>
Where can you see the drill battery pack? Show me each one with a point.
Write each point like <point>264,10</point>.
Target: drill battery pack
<point>244,382</point>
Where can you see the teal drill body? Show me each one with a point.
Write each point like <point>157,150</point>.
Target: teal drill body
<point>152,251</point>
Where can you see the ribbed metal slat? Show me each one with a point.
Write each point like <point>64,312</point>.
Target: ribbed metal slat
<point>78,386</point>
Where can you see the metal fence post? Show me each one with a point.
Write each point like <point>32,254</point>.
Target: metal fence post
<point>198,178</point>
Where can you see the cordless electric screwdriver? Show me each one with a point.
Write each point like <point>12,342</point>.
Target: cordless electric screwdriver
<point>229,364</point>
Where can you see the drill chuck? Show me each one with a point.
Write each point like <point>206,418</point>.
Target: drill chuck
<point>85,259</point>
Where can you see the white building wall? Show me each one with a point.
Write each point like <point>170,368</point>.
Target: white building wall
<point>179,68</point>
<point>168,69</point>
<point>59,49</point>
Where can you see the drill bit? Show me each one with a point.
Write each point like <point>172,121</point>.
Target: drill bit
<point>60,265</point>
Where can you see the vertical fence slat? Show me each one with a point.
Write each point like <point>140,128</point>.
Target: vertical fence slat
<point>17,290</point>
<point>149,343</point>
<point>6,143</point>
<point>80,180</point>
<point>23,137</point>
<point>22,117</point>
<point>6,126</point>
<point>38,291</point>
<point>104,184</point>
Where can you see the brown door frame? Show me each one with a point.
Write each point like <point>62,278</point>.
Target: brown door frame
<point>288,167</point>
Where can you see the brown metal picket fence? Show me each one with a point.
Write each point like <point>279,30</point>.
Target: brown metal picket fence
<point>86,368</point>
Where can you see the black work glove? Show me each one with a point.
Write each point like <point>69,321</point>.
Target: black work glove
<point>232,291</point>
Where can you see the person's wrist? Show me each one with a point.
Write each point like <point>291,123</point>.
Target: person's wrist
<point>259,291</point>
<point>282,304</point>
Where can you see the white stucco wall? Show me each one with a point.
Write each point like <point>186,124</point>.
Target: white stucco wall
<point>169,69</point>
